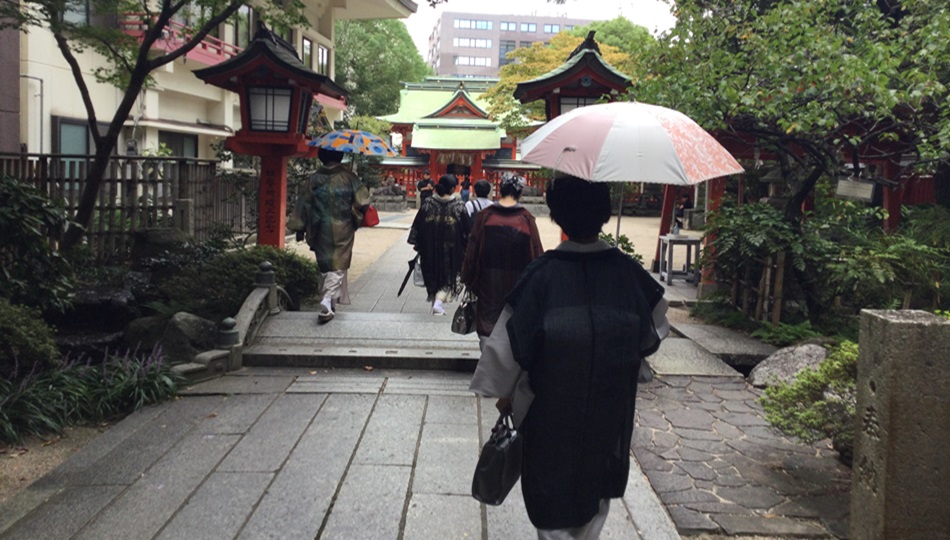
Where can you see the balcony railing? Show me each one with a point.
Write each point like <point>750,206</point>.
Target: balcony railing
<point>210,51</point>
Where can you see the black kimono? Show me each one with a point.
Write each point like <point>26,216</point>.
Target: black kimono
<point>440,234</point>
<point>581,322</point>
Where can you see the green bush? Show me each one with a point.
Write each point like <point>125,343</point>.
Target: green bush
<point>624,245</point>
<point>217,288</point>
<point>43,403</point>
<point>31,272</point>
<point>783,335</point>
<point>27,343</point>
<point>819,403</point>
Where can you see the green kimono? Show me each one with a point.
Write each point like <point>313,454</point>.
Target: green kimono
<point>330,211</point>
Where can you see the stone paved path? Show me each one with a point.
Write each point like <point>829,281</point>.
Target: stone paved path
<point>719,468</point>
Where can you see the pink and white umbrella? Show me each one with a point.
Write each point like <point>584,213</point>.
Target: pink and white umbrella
<point>629,142</point>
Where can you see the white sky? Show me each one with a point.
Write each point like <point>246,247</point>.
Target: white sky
<point>654,15</point>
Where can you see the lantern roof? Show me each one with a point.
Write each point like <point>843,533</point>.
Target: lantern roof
<point>266,58</point>
<point>585,71</point>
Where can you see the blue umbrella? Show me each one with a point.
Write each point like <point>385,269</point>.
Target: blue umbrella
<point>354,141</point>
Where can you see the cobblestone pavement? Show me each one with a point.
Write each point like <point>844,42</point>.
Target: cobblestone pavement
<point>719,468</point>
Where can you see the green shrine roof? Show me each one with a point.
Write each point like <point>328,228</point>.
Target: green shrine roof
<point>448,114</point>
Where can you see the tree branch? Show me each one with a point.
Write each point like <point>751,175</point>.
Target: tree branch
<point>197,37</point>
<point>74,68</point>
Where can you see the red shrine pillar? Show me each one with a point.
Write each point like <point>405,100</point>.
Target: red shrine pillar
<point>715,191</point>
<point>666,220</point>
<point>272,201</point>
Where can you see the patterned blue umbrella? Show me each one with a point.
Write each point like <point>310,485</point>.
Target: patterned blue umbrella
<point>354,141</point>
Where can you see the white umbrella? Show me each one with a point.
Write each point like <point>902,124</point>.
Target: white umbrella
<point>629,142</point>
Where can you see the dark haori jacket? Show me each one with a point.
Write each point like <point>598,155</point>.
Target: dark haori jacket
<point>440,233</point>
<point>581,324</point>
<point>503,241</point>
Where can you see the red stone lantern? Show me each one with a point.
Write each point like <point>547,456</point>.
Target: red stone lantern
<point>276,91</point>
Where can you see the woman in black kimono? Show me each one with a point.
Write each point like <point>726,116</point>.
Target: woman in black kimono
<point>565,355</point>
<point>440,234</point>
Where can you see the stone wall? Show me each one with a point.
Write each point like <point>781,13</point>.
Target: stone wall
<point>901,472</point>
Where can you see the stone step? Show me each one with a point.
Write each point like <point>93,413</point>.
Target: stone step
<point>357,340</point>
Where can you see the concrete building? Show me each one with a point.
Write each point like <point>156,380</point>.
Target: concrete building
<point>475,45</point>
<point>43,111</point>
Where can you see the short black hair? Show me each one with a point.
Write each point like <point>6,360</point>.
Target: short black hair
<point>482,188</point>
<point>325,155</point>
<point>579,207</point>
<point>446,184</point>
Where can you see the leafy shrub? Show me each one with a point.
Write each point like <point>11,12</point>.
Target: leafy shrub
<point>624,245</point>
<point>45,402</point>
<point>748,233</point>
<point>819,403</point>
<point>27,344</point>
<point>217,288</point>
<point>31,271</point>
<point>782,334</point>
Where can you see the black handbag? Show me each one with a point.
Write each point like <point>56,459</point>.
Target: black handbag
<point>463,322</point>
<point>499,464</point>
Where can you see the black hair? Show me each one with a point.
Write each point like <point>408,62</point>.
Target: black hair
<point>482,188</point>
<point>509,189</point>
<point>579,207</point>
<point>446,184</point>
<point>325,155</point>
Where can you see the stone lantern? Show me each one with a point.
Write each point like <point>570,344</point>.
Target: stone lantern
<point>276,92</point>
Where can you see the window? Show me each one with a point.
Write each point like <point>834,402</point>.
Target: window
<point>323,60</point>
<point>472,61</point>
<point>472,24</point>
<point>242,26</point>
<point>181,144</point>
<point>571,103</point>
<point>505,46</point>
<point>264,105</point>
<point>552,28</point>
<point>508,26</point>
<point>472,42</point>
<point>76,13</point>
<point>525,43</point>
<point>306,54</point>
<point>568,27</point>
<point>529,27</point>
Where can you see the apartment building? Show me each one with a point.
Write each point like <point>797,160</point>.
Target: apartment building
<point>476,45</point>
<point>178,111</point>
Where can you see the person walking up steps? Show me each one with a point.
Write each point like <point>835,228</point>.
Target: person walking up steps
<point>327,214</point>
<point>504,240</point>
<point>481,200</point>
<point>564,356</point>
<point>439,234</point>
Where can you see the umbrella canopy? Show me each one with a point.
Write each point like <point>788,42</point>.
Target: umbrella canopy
<point>629,142</point>
<point>354,141</point>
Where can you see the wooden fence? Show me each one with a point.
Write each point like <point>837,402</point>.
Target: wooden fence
<point>137,193</point>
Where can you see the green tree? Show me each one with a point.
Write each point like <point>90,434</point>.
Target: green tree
<point>129,60</point>
<point>810,80</point>
<point>631,39</point>
<point>373,59</point>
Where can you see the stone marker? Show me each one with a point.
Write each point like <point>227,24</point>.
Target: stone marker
<point>901,474</point>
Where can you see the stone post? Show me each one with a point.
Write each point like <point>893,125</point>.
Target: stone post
<point>900,484</point>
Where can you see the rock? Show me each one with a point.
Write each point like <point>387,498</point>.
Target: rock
<point>784,364</point>
<point>97,309</point>
<point>89,346</point>
<point>186,335</point>
<point>145,332</point>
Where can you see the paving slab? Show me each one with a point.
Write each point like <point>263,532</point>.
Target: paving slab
<point>204,515</point>
<point>732,347</point>
<point>681,356</point>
